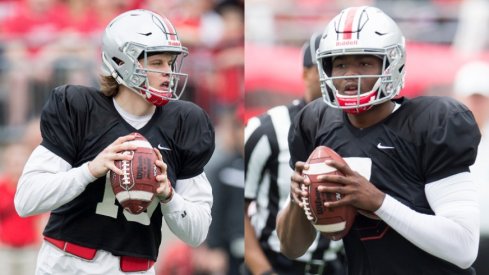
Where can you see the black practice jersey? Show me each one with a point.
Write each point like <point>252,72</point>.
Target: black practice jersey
<point>77,123</point>
<point>426,139</point>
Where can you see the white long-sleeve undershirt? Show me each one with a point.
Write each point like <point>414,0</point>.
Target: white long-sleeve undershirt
<point>452,234</point>
<point>49,182</point>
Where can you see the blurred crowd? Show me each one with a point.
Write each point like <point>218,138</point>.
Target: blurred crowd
<point>436,31</point>
<point>46,43</point>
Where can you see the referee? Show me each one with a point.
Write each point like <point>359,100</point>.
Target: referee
<point>267,185</point>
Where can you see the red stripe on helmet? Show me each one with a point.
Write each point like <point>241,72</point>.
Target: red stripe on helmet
<point>169,27</point>
<point>350,17</point>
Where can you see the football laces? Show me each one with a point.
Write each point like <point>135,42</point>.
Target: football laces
<point>305,202</point>
<point>126,182</point>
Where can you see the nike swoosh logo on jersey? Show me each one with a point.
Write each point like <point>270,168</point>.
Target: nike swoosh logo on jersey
<point>163,148</point>
<point>380,146</point>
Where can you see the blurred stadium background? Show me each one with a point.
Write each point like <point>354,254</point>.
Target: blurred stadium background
<point>441,36</point>
<point>240,53</point>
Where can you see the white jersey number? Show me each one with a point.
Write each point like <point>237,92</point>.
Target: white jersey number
<point>108,207</point>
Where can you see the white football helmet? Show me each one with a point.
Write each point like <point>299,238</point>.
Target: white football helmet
<point>129,39</point>
<point>362,31</point>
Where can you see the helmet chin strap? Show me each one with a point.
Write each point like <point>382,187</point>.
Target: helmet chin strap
<point>154,96</point>
<point>361,100</point>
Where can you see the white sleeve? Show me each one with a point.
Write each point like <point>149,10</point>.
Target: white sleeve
<point>188,214</point>
<point>452,234</point>
<point>48,182</point>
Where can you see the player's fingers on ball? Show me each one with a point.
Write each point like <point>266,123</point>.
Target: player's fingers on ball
<point>115,170</point>
<point>162,165</point>
<point>342,167</point>
<point>296,190</point>
<point>123,139</point>
<point>330,178</point>
<point>119,156</point>
<point>161,178</point>
<point>158,153</point>
<point>333,204</point>
<point>160,189</point>
<point>159,163</point>
<point>331,189</point>
<point>125,147</point>
<point>299,166</point>
<point>297,178</point>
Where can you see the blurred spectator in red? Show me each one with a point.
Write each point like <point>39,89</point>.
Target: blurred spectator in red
<point>229,59</point>
<point>32,25</point>
<point>49,43</point>
<point>89,18</point>
<point>19,237</point>
<point>181,259</point>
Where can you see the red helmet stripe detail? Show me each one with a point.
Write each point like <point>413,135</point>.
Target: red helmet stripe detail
<point>169,27</point>
<point>350,17</point>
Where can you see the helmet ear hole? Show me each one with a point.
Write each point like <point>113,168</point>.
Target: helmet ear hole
<point>327,65</point>
<point>401,68</point>
<point>118,61</point>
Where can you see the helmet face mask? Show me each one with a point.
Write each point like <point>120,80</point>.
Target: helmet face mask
<point>176,81</point>
<point>375,34</point>
<point>129,40</point>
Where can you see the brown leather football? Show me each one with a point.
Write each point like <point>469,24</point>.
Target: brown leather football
<point>136,188</point>
<point>333,223</point>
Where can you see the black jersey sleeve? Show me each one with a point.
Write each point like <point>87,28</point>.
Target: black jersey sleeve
<point>196,143</point>
<point>58,121</point>
<point>451,140</point>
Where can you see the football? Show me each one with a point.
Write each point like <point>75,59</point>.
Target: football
<point>334,223</point>
<point>136,188</point>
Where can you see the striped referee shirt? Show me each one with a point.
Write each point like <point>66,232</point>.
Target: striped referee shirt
<point>267,177</point>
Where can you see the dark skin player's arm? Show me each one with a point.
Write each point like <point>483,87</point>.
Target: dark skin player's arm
<point>294,230</point>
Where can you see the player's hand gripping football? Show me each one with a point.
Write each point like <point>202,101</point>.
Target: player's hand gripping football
<point>104,161</point>
<point>356,189</point>
<point>296,181</point>
<point>165,191</point>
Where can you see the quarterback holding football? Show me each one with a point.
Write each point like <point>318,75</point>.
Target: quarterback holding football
<point>134,121</point>
<point>406,161</point>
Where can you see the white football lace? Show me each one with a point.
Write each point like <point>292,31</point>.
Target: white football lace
<point>306,207</point>
<point>125,169</point>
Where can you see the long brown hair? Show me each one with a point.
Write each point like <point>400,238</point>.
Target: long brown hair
<point>108,85</point>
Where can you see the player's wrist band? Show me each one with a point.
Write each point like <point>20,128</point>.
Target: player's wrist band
<point>168,198</point>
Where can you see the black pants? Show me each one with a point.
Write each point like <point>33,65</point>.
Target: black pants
<point>481,264</point>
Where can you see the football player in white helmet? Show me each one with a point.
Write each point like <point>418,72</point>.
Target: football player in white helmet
<point>129,43</point>
<point>365,33</point>
<point>407,160</point>
<point>85,130</point>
